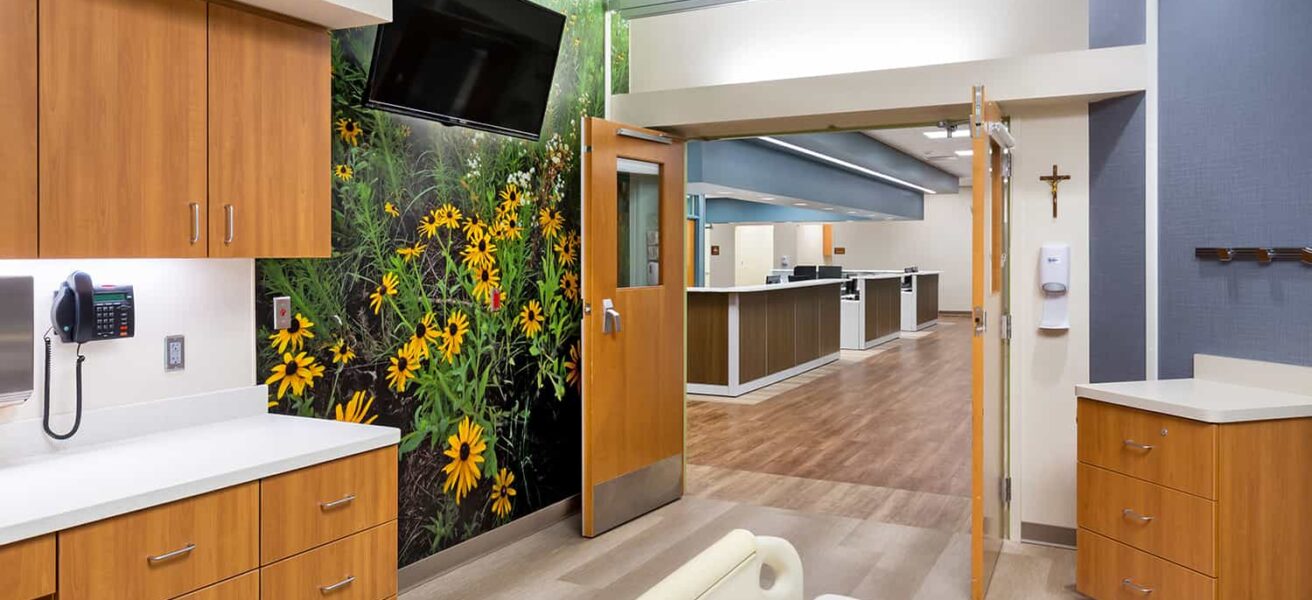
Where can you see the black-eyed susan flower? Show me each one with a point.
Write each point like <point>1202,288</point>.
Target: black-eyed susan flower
<point>453,335</point>
<point>448,216</point>
<point>391,210</point>
<point>569,285</point>
<point>486,279</point>
<point>465,449</point>
<point>428,226</point>
<point>511,198</point>
<point>409,253</point>
<point>402,369</point>
<point>384,289</point>
<point>349,130</point>
<point>341,352</point>
<point>475,228</point>
<point>425,334</point>
<point>294,335</point>
<point>572,365</point>
<point>550,221</point>
<point>531,318</point>
<point>344,172</point>
<point>357,409</point>
<point>502,492</point>
<point>297,372</point>
<point>565,251</point>
<point>479,252</point>
<point>506,229</point>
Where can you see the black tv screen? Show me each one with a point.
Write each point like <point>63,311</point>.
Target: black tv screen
<point>484,64</point>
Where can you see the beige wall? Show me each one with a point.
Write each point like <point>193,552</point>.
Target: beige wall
<point>720,268</point>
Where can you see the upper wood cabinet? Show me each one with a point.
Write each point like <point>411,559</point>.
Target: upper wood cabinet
<point>122,128</point>
<point>270,142</point>
<point>18,105</point>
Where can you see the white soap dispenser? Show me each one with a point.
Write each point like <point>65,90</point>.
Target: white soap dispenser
<point>1055,280</point>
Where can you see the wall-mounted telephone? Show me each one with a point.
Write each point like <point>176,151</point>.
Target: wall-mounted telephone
<point>83,313</point>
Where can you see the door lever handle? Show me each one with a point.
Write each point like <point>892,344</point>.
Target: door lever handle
<point>610,318</point>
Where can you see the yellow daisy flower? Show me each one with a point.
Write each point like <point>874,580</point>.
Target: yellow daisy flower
<point>425,333</point>
<point>531,318</point>
<point>453,335</point>
<point>402,370</point>
<point>384,289</point>
<point>356,409</point>
<point>572,365</point>
<point>344,172</point>
<point>506,229</point>
<point>294,335</point>
<point>409,253</point>
<point>465,449</point>
<point>550,221</point>
<point>502,493</point>
<point>391,210</point>
<point>569,285</point>
<point>297,372</point>
<point>350,131</point>
<point>448,216</point>
<point>565,252</point>
<point>341,352</point>
<point>479,252</point>
<point>428,226</point>
<point>475,228</point>
<point>511,198</point>
<point>486,279</point>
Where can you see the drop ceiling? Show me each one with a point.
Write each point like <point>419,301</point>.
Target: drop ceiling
<point>938,152</point>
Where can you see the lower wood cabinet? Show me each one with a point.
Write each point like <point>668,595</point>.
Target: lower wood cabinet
<point>242,587</point>
<point>27,569</point>
<point>360,567</point>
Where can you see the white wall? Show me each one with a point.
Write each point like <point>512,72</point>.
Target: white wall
<point>941,242</point>
<point>211,302</point>
<point>783,39</point>
<point>720,269</point>
<point>753,247</point>
<point>810,244</point>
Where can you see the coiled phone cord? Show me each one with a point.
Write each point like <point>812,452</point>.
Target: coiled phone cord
<point>77,419</point>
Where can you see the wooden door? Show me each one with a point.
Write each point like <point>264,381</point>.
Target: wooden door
<point>122,135</point>
<point>633,337</point>
<point>690,252</point>
<point>988,427</point>
<point>18,67</point>
<point>270,144</point>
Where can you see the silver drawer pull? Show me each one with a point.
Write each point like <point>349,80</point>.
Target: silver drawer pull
<point>1131,585</point>
<point>328,589</point>
<point>340,502</point>
<point>1137,446</point>
<point>195,222</point>
<point>230,212</point>
<point>167,556</point>
<point>1134,516</point>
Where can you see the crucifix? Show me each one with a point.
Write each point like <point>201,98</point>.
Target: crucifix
<point>1054,180</point>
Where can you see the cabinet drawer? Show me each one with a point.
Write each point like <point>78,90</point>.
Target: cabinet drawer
<point>1106,569</point>
<point>27,569</point>
<point>363,567</point>
<point>1177,453</point>
<point>244,587</point>
<point>1173,525</point>
<point>162,552</point>
<point>319,504</point>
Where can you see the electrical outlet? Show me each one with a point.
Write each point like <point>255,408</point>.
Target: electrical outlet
<point>282,312</point>
<point>175,353</point>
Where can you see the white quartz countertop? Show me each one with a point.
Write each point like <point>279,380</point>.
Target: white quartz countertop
<point>45,493</point>
<point>878,276</point>
<point>764,287</point>
<point>1202,399</point>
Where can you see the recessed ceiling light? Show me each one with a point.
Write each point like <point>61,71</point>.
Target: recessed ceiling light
<point>829,208</point>
<point>965,152</point>
<point>799,204</point>
<point>845,164</point>
<point>768,198</point>
<point>851,212</point>
<point>941,134</point>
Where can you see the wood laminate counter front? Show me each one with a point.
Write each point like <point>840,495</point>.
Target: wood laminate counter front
<point>875,317</point>
<point>744,338</point>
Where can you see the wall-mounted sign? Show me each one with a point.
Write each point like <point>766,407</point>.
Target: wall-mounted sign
<point>840,250</point>
<point>715,250</point>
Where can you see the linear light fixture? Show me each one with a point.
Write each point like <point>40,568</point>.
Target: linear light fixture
<point>965,153</point>
<point>942,134</point>
<point>845,164</point>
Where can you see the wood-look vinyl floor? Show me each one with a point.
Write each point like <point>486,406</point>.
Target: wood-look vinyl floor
<point>900,419</point>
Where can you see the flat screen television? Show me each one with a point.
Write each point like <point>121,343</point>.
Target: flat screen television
<point>483,64</point>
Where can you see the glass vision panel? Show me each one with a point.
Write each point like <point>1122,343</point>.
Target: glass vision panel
<point>638,217</point>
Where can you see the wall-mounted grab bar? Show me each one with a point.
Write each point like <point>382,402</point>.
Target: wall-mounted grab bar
<point>1265,256</point>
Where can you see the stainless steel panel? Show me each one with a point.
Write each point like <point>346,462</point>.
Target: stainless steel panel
<point>16,332</point>
<point>636,493</point>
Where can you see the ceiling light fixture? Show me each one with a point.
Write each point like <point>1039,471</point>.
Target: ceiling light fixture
<point>965,152</point>
<point>799,204</point>
<point>845,164</point>
<point>941,134</point>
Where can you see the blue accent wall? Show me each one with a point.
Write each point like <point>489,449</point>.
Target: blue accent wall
<point>1117,23</point>
<point>1235,170</point>
<point>1117,265</point>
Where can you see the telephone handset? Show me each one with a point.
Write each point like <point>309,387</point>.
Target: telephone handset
<point>83,313</point>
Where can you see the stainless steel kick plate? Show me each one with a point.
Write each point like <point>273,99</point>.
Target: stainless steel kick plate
<point>16,333</point>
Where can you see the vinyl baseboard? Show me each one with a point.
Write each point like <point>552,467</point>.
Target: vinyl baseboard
<point>1049,535</point>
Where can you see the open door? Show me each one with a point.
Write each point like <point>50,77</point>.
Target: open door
<point>990,492</point>
<point>633,315</point>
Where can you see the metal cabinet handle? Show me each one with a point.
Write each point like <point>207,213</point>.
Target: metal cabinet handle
<point>1137,446</point>
<point>1131,585</point>
<point>343,501</point>
<point>195,222</point>
<point>167,556</point>
<point>328,589</point>
<point>1134,516</point>
<point>610,318</point>
<point>230,211</point>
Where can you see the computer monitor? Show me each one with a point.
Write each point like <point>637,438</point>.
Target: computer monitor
<point>830,272</point>
<point>803,273</point>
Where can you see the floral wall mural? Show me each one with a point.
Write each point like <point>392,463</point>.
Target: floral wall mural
<point>450,307</point>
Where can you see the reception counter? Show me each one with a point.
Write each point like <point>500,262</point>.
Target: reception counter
<point>875,317</point>
<point>744,338</point>
<point>920,303</point>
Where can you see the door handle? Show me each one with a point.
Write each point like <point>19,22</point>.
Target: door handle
<point>610,318</point>
<point>195,222</point>
<point>229,211</point>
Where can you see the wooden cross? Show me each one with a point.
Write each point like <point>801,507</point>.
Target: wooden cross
<point>1054,180</point>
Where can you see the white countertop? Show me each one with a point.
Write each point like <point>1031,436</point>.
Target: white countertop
<point>765,287</point>
<point>49,492</point>
<point>866,275</point>
<point>1223,390</point>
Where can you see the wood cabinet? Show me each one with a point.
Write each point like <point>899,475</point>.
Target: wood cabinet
<point>270,142</point>
<point>360,567</point>
<point>27,569</point>
<point>241,587</point>
<point>18,104</point>
<point>1190,509</point>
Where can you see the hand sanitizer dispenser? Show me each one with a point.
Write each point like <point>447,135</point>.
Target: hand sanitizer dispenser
<point>1055,279</point>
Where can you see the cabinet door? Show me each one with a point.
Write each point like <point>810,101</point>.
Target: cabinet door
<point>18,105</point>
<point>122,110</point>
<point>270,137</point>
